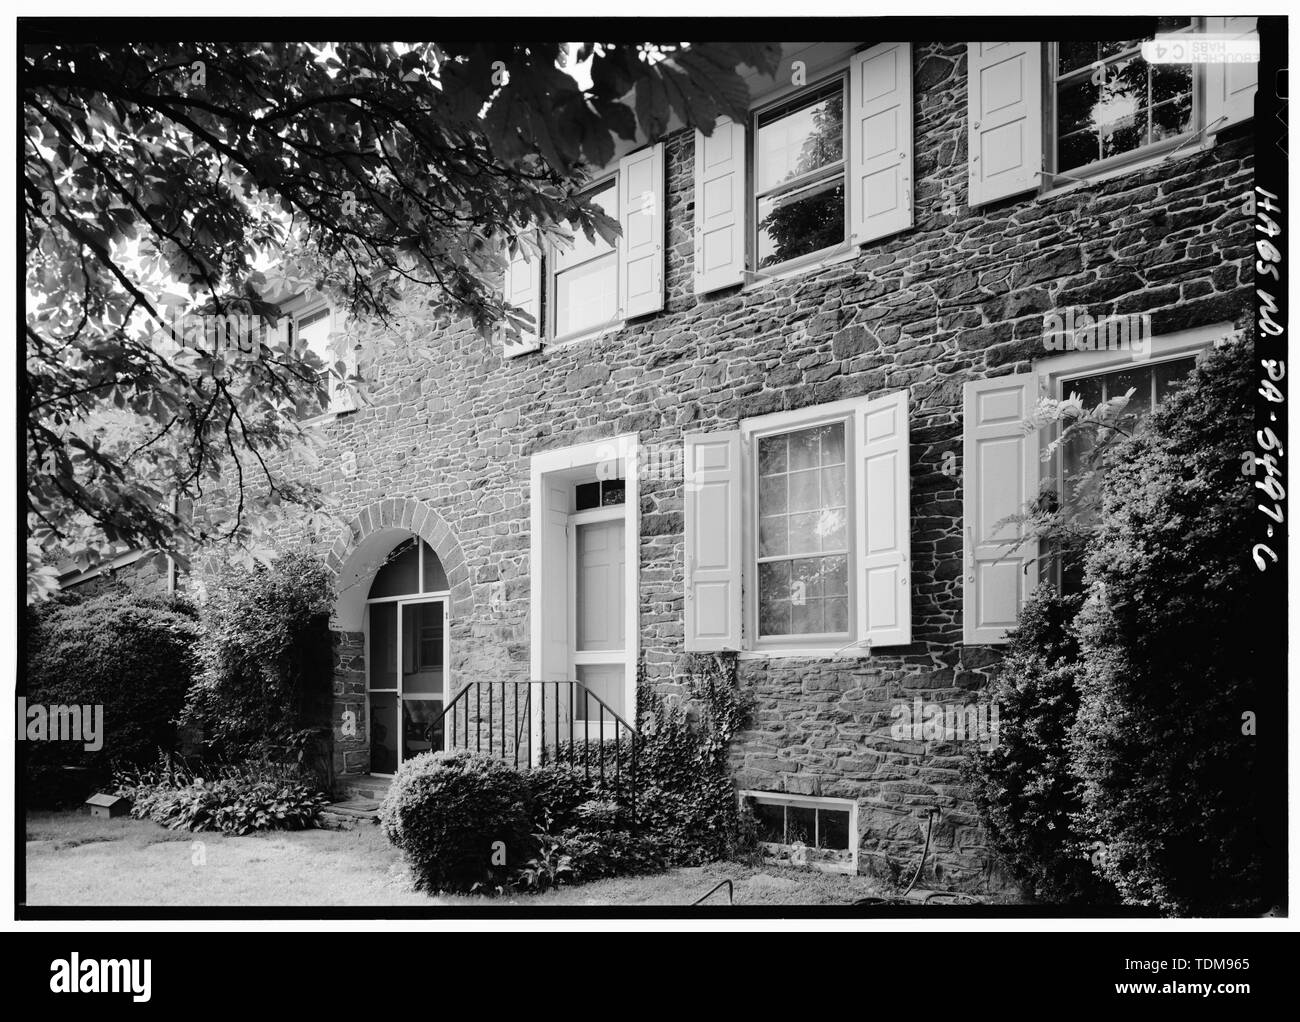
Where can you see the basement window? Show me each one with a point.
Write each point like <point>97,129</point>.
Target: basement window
<point>801,830</point>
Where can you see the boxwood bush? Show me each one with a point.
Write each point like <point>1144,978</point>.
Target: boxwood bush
<point>460,819</point>
<point>1025,787</point>
<point>1125,756</point>
<point>134,655</point>
<point>1173,639</point>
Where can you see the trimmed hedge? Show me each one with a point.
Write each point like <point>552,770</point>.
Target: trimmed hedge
<point>461,820</point>
<point>132,654</point>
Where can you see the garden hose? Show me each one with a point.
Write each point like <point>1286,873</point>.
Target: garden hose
<point>929,828</point>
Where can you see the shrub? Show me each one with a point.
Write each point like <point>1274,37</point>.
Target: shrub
<point>446,811</point>
<point>131,654</point>
<point>1172,643</point>
<point>235,798</point>
<point>1024,787</point>
<point>264,687</point>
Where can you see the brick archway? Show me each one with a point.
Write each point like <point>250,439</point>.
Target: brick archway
<point>372,533</point>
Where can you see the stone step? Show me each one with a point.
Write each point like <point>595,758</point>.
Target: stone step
<point>348,814</point>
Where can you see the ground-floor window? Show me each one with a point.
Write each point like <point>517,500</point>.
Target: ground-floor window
<point>406,656</point>
<point>804,830</point>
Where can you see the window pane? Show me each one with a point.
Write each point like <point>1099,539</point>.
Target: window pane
<point>435,579</point>
<point>771,821</point>
<point>586,296</point>
<point>400,575</point>
<point>1170,376</point>
<point>774,598</point>
<point>795,223</point>
<point>1110,101</point>
<point>383,645</point>
<point>1137,380</point>
<point>801,141</point>
<point>583,250</point>
<point>773,537</point>
<point>800,825</point>
<point>383,733</point>
<point>833,829</point>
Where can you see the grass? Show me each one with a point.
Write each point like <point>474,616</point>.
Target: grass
<point>74,859</point>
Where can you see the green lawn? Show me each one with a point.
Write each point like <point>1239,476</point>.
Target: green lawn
<point>75,860</point>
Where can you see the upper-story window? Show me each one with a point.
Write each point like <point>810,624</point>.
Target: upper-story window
<point>583,278</point>
<point>311,330</point>
<point>1109,103</point>
<point>799,172</point>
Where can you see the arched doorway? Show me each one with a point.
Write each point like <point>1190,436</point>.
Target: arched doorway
<point>406,655</point>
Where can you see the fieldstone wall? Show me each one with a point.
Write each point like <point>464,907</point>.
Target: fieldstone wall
<point>959,297</point>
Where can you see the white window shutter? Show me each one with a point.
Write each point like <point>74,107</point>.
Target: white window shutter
<point>880,141</point>
<point>1004,105</point>
<point>719,206</point>
<point>641,214</point>
<point>1000,473</point>
<point>523,288</point>
<point>713,573</point>
<point>1230,88</point>
<point>884,573</point>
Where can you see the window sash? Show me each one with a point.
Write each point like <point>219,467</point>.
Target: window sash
<point>1055,81</point>
<point>839,168</point>
<point>553,270</point>
<point>851,513</point>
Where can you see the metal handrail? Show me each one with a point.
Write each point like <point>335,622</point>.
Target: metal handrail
<point>525,722</point>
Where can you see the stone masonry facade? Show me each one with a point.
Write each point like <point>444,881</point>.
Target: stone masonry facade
<point>960,296</point>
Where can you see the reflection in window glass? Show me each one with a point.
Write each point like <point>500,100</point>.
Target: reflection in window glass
<point>799,177</point>
<point>1109,101</point>
<point>803,586</point>
<point>586,276</point>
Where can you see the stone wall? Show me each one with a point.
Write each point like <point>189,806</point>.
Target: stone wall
<point>959,297</point>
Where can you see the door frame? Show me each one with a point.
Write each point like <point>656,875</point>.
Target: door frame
<point>550,472</point>
<point>402,602</point>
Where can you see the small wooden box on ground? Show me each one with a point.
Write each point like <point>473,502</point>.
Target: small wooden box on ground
<point>107,806</point>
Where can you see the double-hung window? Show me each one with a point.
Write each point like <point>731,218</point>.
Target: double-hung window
<point>803,528</point>
<point>583,279</point>
<point>579,289</point>
<point>799,164</point>
<point>812,170</point>
<point>312,331</point>
<point>797,536</point>
<point>1109,104</point>
<point>1043,115</point>
<point>1002,469</point>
